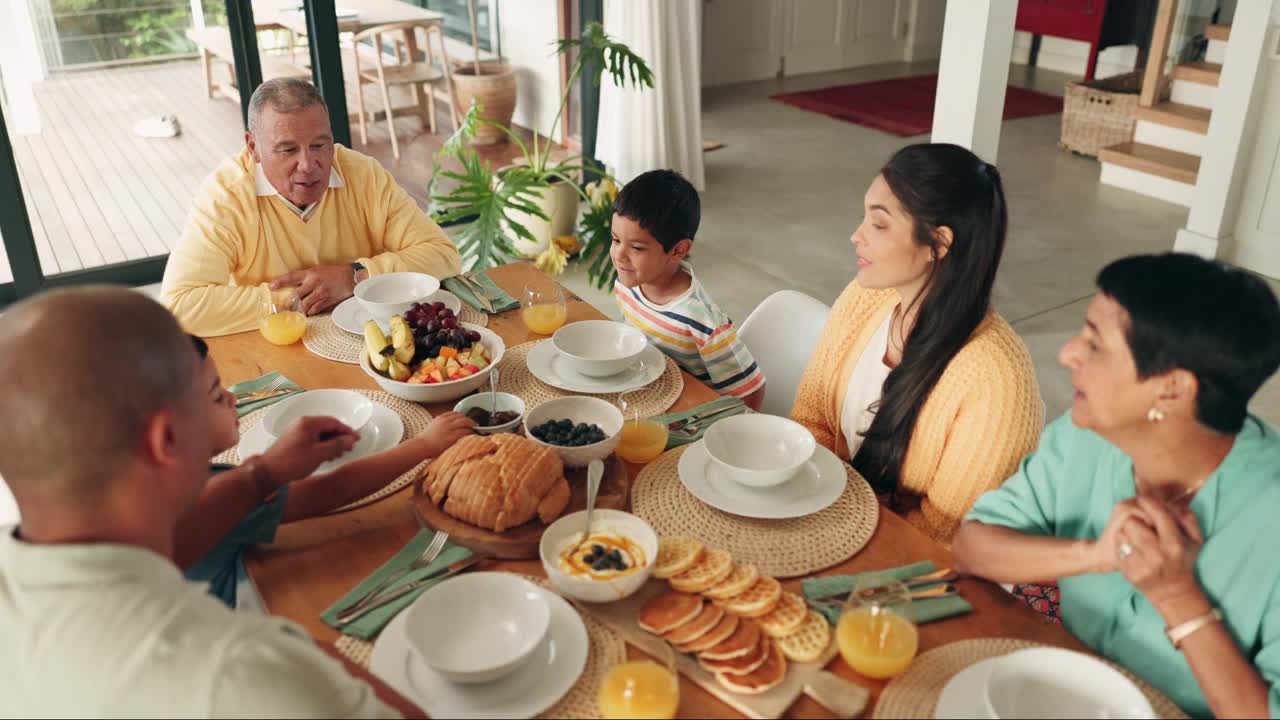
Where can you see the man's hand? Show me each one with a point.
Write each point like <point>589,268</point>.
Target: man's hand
<point>304,446</point>
<point>443,432</point>
<point>318,288</point>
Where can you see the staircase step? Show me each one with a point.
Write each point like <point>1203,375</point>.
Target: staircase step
<point>1160,161</point>
<point>1187,117</point>
<point>1205,73</point>
<point>1218,32</point>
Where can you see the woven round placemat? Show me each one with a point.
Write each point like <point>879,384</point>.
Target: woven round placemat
<point>326,339</point>
<point>606,649</point>
<point>655,399</point>
<point>915,692</point>
<point>781,548</point>
<point>415,419</point>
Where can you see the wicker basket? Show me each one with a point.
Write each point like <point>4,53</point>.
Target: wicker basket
<point>1100,113</point>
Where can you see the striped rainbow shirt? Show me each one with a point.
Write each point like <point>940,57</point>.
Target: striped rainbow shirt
<point>695,332</point>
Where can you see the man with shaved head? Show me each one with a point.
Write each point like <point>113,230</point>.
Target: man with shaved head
<point>106,444</point>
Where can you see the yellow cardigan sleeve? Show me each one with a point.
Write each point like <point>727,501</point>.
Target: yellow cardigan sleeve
<point>197,286</point>
<point>810,406</point>
<point>973,449</point>
<point>411,241</point>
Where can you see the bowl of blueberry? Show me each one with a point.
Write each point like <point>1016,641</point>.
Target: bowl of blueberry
<point>580,428</point>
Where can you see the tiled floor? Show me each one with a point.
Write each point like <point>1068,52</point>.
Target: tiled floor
<point>785,194</point>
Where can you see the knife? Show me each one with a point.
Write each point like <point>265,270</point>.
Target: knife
<point>943,575</point>
<point>678,425</point>
<point>476,289</point>
<point>380,600</point>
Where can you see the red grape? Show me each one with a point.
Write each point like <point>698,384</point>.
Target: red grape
<point>449,323</point>
<point>438,306</point>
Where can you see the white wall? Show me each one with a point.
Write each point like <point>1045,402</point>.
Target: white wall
<point>1257,222</point>
<point>528,28</point>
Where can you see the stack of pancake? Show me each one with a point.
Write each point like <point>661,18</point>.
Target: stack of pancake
<point>741,625</point>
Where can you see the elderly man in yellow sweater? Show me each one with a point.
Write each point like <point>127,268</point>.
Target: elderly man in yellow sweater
<point>294,210</point>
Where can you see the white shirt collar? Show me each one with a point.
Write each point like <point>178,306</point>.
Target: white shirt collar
<point>266,189</point>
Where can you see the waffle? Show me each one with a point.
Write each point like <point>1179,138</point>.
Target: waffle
<point>714,567</point>
<point>675,555</point>
<point>787,617</point>
<point>760,599</point>
<point>727,626</point>
<point>742,577</point>
<point>808,643</point>
<point>742,641</point>
<point>668,611</point>
<point>741,665</point>
<point>762,679</point>
<point>697,627</point>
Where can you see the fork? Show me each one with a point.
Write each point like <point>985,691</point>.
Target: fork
<point>680,425</point>
<point>693,428</point>
<point>427,557</point>
<point>273,385</point>
<point>477,289</point>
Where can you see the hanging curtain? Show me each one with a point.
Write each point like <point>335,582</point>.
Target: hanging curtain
<point>647,129</point>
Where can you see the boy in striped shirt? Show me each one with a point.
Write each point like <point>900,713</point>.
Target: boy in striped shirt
<point>654,220</point>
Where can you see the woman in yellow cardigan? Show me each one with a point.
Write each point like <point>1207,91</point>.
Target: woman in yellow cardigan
<point>916,380</point>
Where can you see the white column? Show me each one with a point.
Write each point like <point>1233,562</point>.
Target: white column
<point>22,66</point>
<point>1225,161</point>
<point>977,41</point>
<point>197,14</point>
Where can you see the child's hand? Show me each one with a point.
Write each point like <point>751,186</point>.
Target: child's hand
<point>443,432</point>
<point>305,445</point>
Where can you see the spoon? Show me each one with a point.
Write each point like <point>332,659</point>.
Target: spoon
<point>594,472</point>
<point>493,391</point>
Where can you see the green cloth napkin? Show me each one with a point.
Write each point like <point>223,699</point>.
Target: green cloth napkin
<point>501,301</point>
<point>371,623</point>
<point>243,409</point>
<point>678,439</point>
<point>925,611</point>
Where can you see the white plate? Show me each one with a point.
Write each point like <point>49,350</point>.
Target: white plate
<point>548,365</point>
<point>532,688</point>
<point>351,316</point>
<point>383,432</point>
<point>819,483</point>
<point>964,694</point>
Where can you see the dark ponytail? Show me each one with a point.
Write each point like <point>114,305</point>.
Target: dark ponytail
<point>937,185</point>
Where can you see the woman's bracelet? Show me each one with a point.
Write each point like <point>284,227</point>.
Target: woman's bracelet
<point>1183,630</point>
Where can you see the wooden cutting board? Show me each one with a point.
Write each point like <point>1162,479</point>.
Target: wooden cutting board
<point>844,698</point>
<point>521,543</point>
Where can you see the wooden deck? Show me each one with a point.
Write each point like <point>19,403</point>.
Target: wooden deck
<point>96,194</point>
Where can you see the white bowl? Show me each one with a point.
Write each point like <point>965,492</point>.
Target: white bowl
<point>348,407</point>
<point>579,409</point>
<point>569,527</point>
<point>504,402</point>
<point>445,391</point>
<point>1057,683</point>
<point>394,293</point>
<point>476,628</point>
<point>759,450</point>
<point>599,348</point>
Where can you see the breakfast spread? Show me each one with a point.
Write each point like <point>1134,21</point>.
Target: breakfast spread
<point>566,434</point>
<point>742,626</point>
<point>498,482</point>
<point>426,346</point>
<point>602,556</point>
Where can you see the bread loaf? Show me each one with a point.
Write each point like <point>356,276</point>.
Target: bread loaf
<point>498,482</point>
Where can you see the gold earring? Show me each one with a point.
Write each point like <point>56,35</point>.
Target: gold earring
<point>1155,415</point>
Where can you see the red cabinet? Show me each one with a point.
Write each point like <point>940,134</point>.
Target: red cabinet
<point>1072,19</point>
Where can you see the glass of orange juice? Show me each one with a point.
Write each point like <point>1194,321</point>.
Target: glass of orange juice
<point>544,308</point>
<point>642,440</point>
<point>282,321</point>
<point>641,689</point>
<point>877,634</point>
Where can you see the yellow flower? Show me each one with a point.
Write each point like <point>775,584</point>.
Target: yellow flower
<point>567,243</point>
<point>601,191</point>
<point>610,188</point>
<point>552,261</point>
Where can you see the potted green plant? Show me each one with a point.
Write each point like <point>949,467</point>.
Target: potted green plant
<point>491,85</point>
<point>510,210</point>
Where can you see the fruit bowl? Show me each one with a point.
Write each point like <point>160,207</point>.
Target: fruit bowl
<point>449,389</point>
<point>578,409</point>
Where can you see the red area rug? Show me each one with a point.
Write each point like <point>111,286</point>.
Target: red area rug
<point>904,106</point>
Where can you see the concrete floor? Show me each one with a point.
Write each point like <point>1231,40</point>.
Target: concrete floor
<point>785,194</point>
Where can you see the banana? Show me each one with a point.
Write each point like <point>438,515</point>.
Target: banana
<point>376,343</point>
<point>398,370</point>
<point>402,339</point>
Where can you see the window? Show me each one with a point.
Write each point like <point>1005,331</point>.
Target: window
<point>457,23</point>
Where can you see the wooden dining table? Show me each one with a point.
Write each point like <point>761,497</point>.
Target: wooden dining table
<point>314,562</point>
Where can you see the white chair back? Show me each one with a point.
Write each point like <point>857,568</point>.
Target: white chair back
<point>781,333</point>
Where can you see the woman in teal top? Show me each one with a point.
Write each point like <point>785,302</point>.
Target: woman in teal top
<point>1156,500</point>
